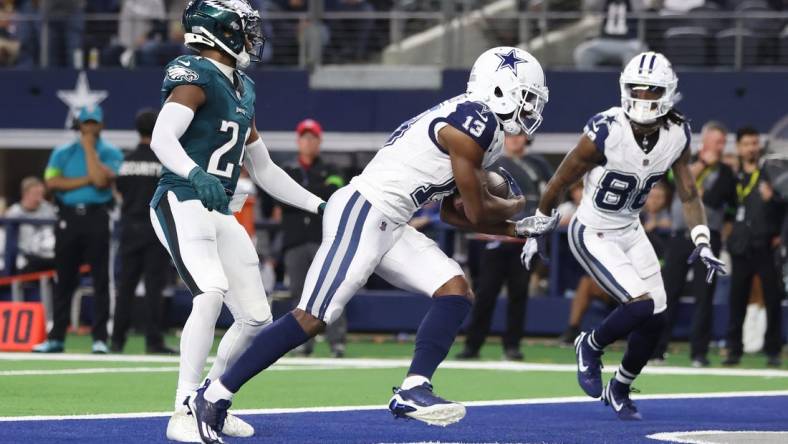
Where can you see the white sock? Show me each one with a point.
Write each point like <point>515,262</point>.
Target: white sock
<point>217,391</point>
<point>181,393</point>
<point>196,342</point>
<point>624,376</point>
<point>413,381</point>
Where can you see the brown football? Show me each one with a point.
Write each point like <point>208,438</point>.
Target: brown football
<point>496,184</point>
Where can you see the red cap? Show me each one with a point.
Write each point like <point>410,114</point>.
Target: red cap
<point>309,125</point>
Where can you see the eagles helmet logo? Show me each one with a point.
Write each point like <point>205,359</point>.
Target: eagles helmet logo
<point>177,72</point>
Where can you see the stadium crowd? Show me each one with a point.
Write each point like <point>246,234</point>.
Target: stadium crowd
<point>92,33</point>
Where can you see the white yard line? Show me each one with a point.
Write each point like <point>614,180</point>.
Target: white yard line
<point>100,370</point>
<point>696,436</point>
<point>558,400</point>
<point>359,363</point>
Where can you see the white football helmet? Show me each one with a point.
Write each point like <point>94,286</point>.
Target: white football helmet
<point>510,82</point>
<point>649,71</point>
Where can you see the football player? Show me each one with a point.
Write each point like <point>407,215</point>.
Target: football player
<point>204,132</point>
<point>622,154</point>
<point>365,230</point>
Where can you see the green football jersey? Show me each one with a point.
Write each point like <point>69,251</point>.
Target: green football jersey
<point>217,135</point>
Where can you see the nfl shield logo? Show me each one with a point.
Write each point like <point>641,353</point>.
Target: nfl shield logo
<point>645,162</point>
<point>383,225</point>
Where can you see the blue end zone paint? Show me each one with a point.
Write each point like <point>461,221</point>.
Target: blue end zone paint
<point>589,422</point>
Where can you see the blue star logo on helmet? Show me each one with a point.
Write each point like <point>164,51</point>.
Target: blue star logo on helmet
<point>509,60</point>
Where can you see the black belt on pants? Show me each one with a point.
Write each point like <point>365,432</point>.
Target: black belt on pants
<point>66,211</point>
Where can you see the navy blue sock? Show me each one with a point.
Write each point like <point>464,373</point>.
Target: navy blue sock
<point>641,345</point>
<point>267,347</point>
<point>437,332</point>
<point>621,322</point>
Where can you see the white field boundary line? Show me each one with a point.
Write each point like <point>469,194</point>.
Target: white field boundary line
<point>103,370</point>
<point>360,363</point>
<point>491,403</point>
<point>686,437</point>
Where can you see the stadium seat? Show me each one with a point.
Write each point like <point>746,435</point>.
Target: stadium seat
<point>687,45</point>
<point>726,47</point>
<point>702,16</point>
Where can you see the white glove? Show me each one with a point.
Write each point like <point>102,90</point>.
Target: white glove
<point>529,250</point>
<point>536,225</point>
<point>713,265</point>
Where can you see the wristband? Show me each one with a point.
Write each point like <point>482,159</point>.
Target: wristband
<point>700,234</point>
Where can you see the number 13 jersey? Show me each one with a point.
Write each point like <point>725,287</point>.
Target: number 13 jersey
<point>413,168</point>
<point>614,193</point>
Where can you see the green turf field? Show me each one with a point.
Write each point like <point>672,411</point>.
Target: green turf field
<point>38,385</point>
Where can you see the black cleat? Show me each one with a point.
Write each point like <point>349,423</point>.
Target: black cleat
<point>210,416</point>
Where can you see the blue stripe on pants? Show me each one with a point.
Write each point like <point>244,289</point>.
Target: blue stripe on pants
<point>334,247</point>
<point>346,261</point>
<point>597,268</point>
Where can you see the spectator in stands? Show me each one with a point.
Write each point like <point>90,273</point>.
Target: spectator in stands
<point>81,173</point>
<point>753,241</point>
<point>66,27</point>
<point>350,37</point>
<point>36,242</point>
<point>28,31</point>
<point>302,230</point>
<point>141,23</point>
<point>9,45</point>
<point>289,34</point>
<point>141,253</point>
<point>617,42</point>
<point>716,183</point>
<point>500,260</point>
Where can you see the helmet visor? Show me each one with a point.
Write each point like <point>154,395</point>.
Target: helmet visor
<point>529,113</point>
<point>644,92</point>
<point>255,38</point>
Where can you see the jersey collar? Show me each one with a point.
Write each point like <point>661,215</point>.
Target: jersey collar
<point>226,70</point>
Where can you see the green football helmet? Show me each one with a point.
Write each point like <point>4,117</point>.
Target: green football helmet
<point>226,25</point>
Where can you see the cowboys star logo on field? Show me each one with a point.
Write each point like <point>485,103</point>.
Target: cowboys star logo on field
<point>79,97</point>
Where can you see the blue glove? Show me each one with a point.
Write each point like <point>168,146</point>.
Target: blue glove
<point>514,189</point>
<point>209,189</point>
<point>713,265</point>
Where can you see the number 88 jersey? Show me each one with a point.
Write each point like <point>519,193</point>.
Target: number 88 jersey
<point>216,136</point>
<point>614,193</point>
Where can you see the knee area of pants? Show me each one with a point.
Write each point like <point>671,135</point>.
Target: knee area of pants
<point>456,286</point>
<point>207,302</point>
<point>642,309</point>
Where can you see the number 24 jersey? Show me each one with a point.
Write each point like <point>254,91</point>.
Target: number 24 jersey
<point>413,168</point>
<point>614,193</point>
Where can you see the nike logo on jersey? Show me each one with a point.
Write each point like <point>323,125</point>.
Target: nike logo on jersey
<point>184,62</point>
<point>484,116</point>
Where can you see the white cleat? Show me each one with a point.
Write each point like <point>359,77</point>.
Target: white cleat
<point>182,427</point>
<point>236,427</point>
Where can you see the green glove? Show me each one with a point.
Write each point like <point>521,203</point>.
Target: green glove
<point>210,190</point>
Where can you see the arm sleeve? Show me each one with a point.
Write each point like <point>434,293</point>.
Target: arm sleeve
<point>54,168</point>
<point>275,181</point>
<point>172,122</point>
<point>597,129</point>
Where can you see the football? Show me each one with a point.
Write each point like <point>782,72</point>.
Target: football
<point>496,185</point>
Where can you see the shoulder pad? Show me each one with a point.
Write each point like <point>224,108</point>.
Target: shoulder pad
<point>475,120</point>
<point>598,128</point>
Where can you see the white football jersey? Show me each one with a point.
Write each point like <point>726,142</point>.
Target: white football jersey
<point>614,193</point>
<point>412,168</point>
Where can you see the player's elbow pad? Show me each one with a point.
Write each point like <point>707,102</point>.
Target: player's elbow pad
<point>173,121</point>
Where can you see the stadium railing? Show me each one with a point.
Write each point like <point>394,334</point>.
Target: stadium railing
<point>447,37</point>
